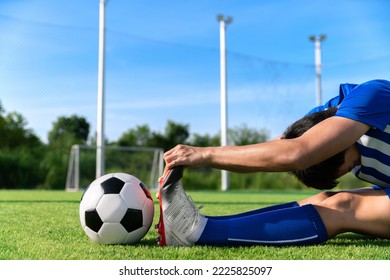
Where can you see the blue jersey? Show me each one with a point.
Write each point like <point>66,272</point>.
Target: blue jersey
<point>368,103</point>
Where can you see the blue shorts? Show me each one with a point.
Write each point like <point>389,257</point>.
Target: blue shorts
<point>386,190</point>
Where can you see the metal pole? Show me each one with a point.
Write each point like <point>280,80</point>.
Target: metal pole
<point>77,168</point>
<point>100,168</point>
<point>223,85</point>
<point>318,66</point>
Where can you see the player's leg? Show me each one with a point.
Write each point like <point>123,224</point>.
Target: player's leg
<point>288,226</point>
<point>257,211</point>
<point>363,211</point>
<point>310,200</point>
<point>316,198</point>
<point>181,224</point>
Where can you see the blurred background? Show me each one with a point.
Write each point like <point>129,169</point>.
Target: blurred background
<point>163,78</point>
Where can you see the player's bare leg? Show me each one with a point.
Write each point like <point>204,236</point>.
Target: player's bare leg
<point>363,211</point>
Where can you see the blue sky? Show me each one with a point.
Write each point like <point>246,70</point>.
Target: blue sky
<point>162,60</point>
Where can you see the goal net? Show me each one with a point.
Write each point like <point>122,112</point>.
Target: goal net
<point>142,162</point>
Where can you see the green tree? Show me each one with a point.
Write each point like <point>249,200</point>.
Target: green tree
<point>243,135</point>
<point>14,132</point>
<point>206,140</point>
<point>174,134</point>
<point>66,132</point>
<point>2,121</point>
<point>140,136</point>
<point>74,126</point>
<point>20,152</point>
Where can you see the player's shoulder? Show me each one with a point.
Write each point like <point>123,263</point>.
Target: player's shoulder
<point>372,87</point>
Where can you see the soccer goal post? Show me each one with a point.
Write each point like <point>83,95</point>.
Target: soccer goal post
<point>142,162</point>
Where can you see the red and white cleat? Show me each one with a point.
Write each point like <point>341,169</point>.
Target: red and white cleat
<point>180,222</point>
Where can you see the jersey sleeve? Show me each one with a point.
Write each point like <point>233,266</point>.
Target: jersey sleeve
<point>368,103</point>
<point>335,101</point>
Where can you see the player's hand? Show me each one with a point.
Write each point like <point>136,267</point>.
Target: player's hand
<point>185,155</point>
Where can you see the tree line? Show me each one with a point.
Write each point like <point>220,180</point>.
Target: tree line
<point>27,162</point>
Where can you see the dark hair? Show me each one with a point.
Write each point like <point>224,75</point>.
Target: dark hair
<point>324,174</point>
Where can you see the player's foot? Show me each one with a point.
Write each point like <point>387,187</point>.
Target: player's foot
<point>180,222</point>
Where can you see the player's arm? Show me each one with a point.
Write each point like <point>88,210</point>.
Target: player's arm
<point>322,141</point>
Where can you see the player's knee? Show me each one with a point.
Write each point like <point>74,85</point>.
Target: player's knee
<point>342,202</point>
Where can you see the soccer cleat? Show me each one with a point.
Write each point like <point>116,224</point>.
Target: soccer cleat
<point>180,222</point>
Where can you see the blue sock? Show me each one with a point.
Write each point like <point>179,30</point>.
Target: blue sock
<point>286,226</point>
<point>257,211</point>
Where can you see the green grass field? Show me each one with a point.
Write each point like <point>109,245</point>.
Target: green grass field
<point>44,225</point>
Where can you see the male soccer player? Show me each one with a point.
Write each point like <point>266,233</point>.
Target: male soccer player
<point>351,132</point>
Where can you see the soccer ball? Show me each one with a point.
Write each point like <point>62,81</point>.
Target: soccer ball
<point>116,208</point>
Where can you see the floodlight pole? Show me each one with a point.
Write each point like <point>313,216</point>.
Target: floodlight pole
<point>318,66</point>
<point>100,168</point>
<point>222,27</point>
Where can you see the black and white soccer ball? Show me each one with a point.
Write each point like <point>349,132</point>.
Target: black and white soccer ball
<point>116,208</point>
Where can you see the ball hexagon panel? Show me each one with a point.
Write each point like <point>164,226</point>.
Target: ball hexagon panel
<point>111,208</point>
<point>133,195</point>
<point>112,233</point>
<point>91,197</point>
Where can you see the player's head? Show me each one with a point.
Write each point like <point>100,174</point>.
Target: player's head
<point>324,174</point>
